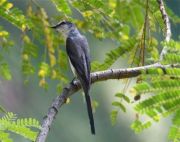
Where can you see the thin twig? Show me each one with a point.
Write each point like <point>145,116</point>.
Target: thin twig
<point>167,27</point>
<point>143,47</point>
<point>95,77</point>
<point>36,4</point>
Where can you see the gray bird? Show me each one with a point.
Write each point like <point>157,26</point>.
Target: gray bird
<point>79,57</point>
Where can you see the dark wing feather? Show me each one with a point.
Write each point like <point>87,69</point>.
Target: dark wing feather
<point>78,52</point>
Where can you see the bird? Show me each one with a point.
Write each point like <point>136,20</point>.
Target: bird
<point>77,49</point>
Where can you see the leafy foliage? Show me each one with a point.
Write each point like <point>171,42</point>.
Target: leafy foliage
<point>174,52</point>
<point>174,133</point>
<point>10,123</point>
<point>13,15</point>
<point>5,44</point>
<point>114,54</point>
<point>138,126</point>
<point>162,90</point>
<point>52,64</point>
<point>119,105</point>
<point>62,6</point>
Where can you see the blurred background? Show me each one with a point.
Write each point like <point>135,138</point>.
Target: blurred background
<point>71,123</point>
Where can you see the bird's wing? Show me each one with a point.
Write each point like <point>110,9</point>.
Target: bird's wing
<point>78,52</point>
<point>85,47</point>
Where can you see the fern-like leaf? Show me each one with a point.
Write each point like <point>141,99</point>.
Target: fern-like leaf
<point>159,100</point>
<point>62,6</point>
<point>114,114</point>
<point>114,54</point>
<point>119,105</point>
<point>172,58</point>
<point>174,133</point>
<point>10,123</point>
<point>138,126</point>
<point>4,137</point>
<point>158,86</point>
<point>162,90</point>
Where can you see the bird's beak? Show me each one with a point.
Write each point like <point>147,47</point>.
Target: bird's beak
<point>54,27</point>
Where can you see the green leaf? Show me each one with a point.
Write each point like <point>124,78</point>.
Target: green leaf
<point>120,105</point>
<point>124,97</point>
<point>13,15</point>
<point>138,126</point>
<point>62,6</point>
<point>5,71</point>
<point>115,54</point>
<point>174,133</point>
<point>10,123</point>
<point>157,86</point>
<point>114,117</point>
<point>120,95</point>
<point>5,137</point>
<point>172,58</point>
<point>158,100</point>
<point>2,110</point>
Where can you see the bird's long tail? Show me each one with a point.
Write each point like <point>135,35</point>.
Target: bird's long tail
<point>90,113</point>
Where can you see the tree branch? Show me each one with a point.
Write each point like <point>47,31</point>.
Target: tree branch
<point>95,77</point>
<point>167,27</point>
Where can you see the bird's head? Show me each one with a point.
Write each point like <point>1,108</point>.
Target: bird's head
<point>64,27</point>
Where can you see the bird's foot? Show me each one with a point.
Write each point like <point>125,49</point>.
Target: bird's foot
<point>73,82</point>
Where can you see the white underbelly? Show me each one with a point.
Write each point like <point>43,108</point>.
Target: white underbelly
<point>72,68</point>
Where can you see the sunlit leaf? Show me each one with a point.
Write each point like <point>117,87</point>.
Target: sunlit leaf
<point>114,116</point>
<point>120,105</point>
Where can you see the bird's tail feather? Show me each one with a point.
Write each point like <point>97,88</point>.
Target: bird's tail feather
<point>90,113</point>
